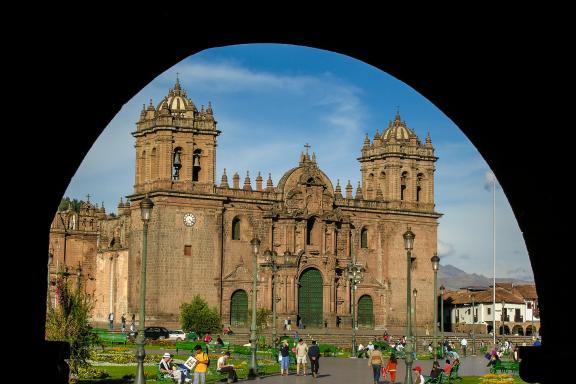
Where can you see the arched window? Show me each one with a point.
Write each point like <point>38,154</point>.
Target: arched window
<point>239,308</point>
<point>143,167</point>
<point>403,181</point>
<point>196,164</point>
<point>236,229</point>
<point>153,165</point>
<point>364,238</point>
<point>383,183</point>
<point>419,179</point>
<point>176,163</point>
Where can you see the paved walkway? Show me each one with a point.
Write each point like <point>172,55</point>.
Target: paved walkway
<point>339,370</point>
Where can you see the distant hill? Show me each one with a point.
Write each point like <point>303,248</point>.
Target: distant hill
<point>453,278</point>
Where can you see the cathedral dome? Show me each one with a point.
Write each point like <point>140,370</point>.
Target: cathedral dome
<point>397,130</point>
<point>177,101</point>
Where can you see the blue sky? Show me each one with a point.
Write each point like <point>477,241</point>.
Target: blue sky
<point>269,100</point>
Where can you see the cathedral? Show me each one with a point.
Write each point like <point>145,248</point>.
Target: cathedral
<point>200,232</point>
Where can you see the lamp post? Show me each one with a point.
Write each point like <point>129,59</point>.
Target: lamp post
<point>435,264</point>
<point>408,245</point>
<point>146,206</point>
<point>503,321</point>
<point>51,257</point>
<point>473,326</point>
<point>442,289</point>
<point>414,293</point>
<point>355,272</point>
<point>253,372</point>
<point>78,275</point>
<point>271,261</point>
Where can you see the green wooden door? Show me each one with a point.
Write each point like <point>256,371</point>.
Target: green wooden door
<point>239,309</point>
<point>365,312</point>
<point>310,298</point>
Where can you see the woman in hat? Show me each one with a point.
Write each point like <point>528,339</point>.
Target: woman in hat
<point>285,353</point>
<point>167,369</point>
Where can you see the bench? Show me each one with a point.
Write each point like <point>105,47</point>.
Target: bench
<point>120,338</point>
<point>441,378</point>
<point>454,374</point>
<point>505,366</point>
<point>188,345</point>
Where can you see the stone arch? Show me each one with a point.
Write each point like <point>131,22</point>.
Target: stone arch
<point>404,185</point>
<point>420,181</point>
<point>239,308</point>
<point>153,164</point>
<point>365,317</point>
<point>364,237</point>
<point>310,297</point>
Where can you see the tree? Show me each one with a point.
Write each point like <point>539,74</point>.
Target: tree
<point>74,204</point>
<point>198,317</point>
<point>68,321</point>
<point>262,315</point>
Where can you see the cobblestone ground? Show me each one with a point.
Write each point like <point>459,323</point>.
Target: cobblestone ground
<point>336,370</point>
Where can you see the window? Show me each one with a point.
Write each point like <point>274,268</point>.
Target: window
<point>176,163</point>
<point>403,181</point>
<point>419,186</point>
<point>488,310</point>
<point>236,229</point>
<point>196,164</point>
<point>364,238</point>
<point>187,250</point>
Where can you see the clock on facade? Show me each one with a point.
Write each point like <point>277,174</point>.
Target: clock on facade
<point>189,219</point>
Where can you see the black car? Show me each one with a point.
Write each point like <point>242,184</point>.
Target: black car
<point>155,333</point>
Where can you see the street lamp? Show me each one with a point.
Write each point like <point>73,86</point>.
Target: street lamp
<point>408,245</point>
<point>473,325</point>
<point>355,272</point>
<point>51,257</point>
<point>503,321</point>
<point>271,261</point>
<point>442,289</point>
<point>253,372</point>
<point>435,265</point>
<point>146,206</point>
<point>78,275</point>
<point>414,293</point>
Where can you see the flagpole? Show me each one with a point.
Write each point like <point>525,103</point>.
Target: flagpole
<point>494,259</point>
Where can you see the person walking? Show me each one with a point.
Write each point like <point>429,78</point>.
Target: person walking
<point>418,378</point>
<point>391,368</point>
<point>111,321</point>
<point>375,360</point>
<point>464,345</point>
<point>123,322</point>
<point>314,355</point>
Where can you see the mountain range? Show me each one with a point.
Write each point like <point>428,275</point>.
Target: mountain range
<point>453,278</point>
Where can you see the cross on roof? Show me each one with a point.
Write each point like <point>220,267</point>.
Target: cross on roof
<point>307,146</point>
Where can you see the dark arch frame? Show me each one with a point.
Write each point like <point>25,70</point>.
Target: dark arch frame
<point>477,84</point>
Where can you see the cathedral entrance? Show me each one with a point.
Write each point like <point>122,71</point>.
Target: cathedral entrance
<point>310,298</point>
<point>365,312</point>
<point>239,309</point>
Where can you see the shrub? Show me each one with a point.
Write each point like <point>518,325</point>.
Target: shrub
<point>197,316</point>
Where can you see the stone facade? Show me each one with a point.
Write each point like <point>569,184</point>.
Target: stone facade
<point>304,219</point>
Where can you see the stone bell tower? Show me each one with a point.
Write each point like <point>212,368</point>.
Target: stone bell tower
<point>396,167</point>
<point>175,144</point>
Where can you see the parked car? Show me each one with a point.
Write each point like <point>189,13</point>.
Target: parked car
<point>155,333</point>
<point>177,335</point>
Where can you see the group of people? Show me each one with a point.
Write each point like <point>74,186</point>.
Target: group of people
<point>303,354</point>
<point>196,364</point>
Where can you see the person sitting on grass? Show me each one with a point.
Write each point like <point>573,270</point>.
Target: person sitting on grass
<point>168,370</point>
